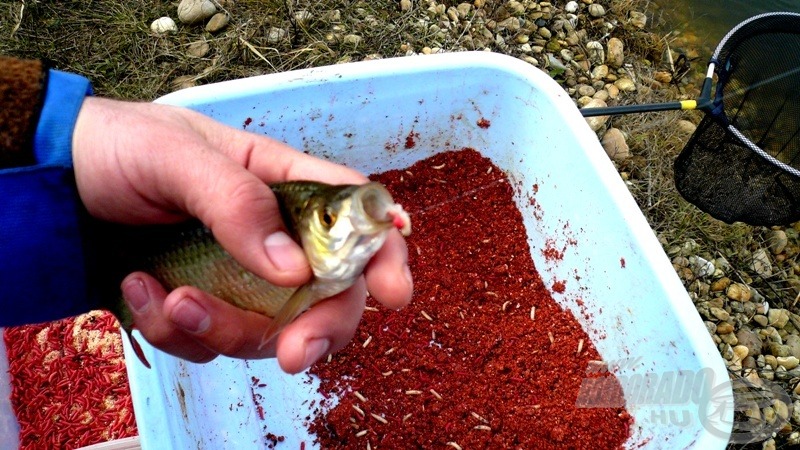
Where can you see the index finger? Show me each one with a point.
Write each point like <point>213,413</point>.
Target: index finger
<point>274,161</point>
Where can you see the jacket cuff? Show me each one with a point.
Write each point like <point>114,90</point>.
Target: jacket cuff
<point>43,258</point>
<point>52,144</point>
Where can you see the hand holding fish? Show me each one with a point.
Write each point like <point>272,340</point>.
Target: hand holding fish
<point>141,163</point>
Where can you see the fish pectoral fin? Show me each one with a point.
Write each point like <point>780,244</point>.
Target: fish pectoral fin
<point>301,300</point>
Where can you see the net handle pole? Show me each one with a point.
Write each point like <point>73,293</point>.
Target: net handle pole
<point>644,107</point>
<point>703,103</point>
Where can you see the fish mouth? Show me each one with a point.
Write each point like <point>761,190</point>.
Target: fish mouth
<point>379,210</point>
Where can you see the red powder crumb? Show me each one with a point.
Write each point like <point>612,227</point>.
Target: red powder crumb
<point>410,143</point>
<point>622,262</point>
<point>551,253</point>
<point>483,357</point>
<point>247,122</point>
<point>559,286</point>
<point>483,123</point>
<point>69,387</point>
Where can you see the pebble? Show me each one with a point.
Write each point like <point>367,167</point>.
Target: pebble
<point>596,10</point>
<point>724,328</point>
<point>739,292</point>
<point>686,127</point>
<point>600,72</point>
<point>637,19</point>
<point>615,53</point>
<point>198,49</point>
<point>777,350</point>
<point>750,339</point>
<point>778,241</point>
<point>571,7</point>
<point>615,146</point>
<point>217,23</point>
<point>778,317</point>
<point>788,362</point>
<point>195,11</point>
<point>596,123</point>
<point>720,284</point>
<point>625,85</point>
<point>405,5</point>
<point>719,313</point>
<point>761,263</point>
<point>163,25</point>
<point>276,35</point>
<point>793,341</point>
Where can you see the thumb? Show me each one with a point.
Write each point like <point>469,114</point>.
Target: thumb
<point>243,214</point>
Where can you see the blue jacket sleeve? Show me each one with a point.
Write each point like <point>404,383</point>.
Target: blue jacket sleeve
<point>43,260</point>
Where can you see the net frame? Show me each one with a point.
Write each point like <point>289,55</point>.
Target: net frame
<point>769,193</point>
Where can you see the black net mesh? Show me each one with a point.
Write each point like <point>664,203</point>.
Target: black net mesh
<point>728,180</point>
<point>742,163</point>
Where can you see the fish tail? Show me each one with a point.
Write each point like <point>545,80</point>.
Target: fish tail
<point>300,300</point>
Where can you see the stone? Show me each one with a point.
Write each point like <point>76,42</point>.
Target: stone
<point>405,5</point>
<point>600,72</point>
<point>163,25</point>
<point>545,33</point>
<point>761,263</point>
<point>615,53</point>
<point>686,127</point>
<point>596,123</point>
<point>637,19</point>
<point>793,341</point>
<point>771,361</point>
<point>724,328</point>
<point>720,284</point>
<point>739,292</point>
<point>663,76</point>
<point>779,350</point>
<point>571,7</point>
<point>778,317</point>
<point>585,90</point>
<point>217,23</point>
<point>625,85</point>
<point>751,340</point>
<point>769,444</point>
<point>596,54</point>
<point>276,35</point>
<point>615,146</point>
<point>777,241</point>
<point>198,49</point>
<point>195,11</point>
<point>788,362</point>
<point>719,313</point>
<point>596,10</point>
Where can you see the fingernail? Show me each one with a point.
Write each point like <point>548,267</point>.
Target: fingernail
<point>190,316</point>
<point>284,253</point>
<point>315,349</point>
<point>136,295</point>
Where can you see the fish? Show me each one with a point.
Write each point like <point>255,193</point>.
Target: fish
<point>339,227</point>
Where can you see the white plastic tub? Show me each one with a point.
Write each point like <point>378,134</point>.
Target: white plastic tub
<point>642,320</point>
<point>9,428</point>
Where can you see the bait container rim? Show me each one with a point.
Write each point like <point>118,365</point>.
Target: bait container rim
<point>618,282</point>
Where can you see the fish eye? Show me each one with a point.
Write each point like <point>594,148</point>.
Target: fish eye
<point>328,218</point>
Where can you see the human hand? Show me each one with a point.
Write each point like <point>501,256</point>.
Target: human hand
<point>145,163</point>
